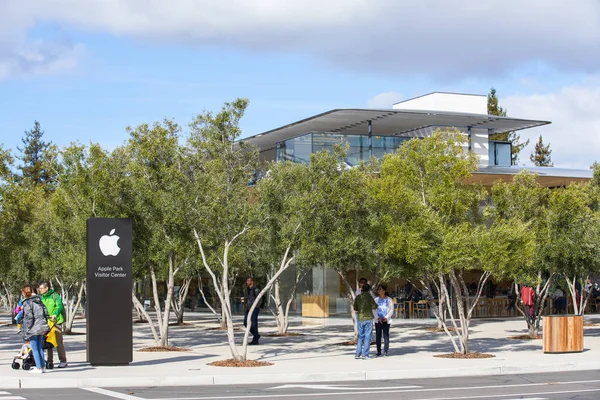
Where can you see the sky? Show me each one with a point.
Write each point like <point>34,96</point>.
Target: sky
<point>88,69</point>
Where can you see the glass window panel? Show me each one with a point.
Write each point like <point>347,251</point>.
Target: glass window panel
<point>503,156</point>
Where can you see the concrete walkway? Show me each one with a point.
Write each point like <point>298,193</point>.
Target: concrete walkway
<point>315,356</point>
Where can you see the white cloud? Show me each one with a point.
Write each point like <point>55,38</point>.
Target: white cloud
<point>22,55</point>
<point>385,100</point>
<point>574,134</point>
<point>39,58</point>
<point>444,39</point>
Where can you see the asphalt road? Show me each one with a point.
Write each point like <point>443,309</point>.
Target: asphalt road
<point>583,385</point>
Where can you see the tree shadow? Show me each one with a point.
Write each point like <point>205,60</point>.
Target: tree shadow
<point>172,360</point>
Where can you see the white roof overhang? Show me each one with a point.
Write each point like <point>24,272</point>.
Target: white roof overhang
<point>387,122</point>
<point>546,176</point>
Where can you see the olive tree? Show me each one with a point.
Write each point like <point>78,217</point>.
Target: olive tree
<point>436,226</point>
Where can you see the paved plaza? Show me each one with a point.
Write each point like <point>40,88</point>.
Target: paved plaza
<point>315,356</point>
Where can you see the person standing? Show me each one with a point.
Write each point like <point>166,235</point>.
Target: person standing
<point>55,307</point>
<point>364,306</point>
<point>35,326</point>
<point>248,300</point>
<point>385,311</point>
<point>560,302</point>
<point>528,299</point>
<point>361,282</point>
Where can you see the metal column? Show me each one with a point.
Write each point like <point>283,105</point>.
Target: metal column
<point>469,136</point>
<point>370,139</point>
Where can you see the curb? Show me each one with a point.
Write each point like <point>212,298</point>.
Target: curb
<point>36,383</point>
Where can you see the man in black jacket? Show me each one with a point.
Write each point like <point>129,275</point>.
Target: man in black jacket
<point>249,299</point>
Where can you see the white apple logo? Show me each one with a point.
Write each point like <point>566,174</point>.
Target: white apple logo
<point>108,244</point>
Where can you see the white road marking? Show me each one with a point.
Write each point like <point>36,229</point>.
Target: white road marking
<point>529,398</point>
<point>360,393</point>
<point>11,397</point>
<point>338,387</point>
<point>488,396</point>
<point>110,393</point>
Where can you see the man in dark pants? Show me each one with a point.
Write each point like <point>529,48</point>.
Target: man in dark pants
<point>249,299</point>
<point>55,307</point>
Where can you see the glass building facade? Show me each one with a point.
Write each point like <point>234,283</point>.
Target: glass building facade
<point>300,148</point>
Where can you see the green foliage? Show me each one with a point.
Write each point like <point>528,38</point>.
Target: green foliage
<point>85,189</point>
<point>284,211</point>
<point>17,205</point>
<point>36,155</point>
<point>6,161</point>
<point>154,188</point>
<point>572,232</point>
<point>541,154</point>
<point>217,173</point>
<point>507,249</point>
<point>523,198</point>
<point>492,104</point>
<point>526,201</point>
<point>425,202</point>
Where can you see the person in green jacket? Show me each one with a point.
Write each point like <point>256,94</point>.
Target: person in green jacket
<point>55,307</point>
<point>364,305</point>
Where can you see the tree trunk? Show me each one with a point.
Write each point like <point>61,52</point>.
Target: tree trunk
<point>179,304</point>
<point>163,317</point>
<point>533,318</point>
<point>138,310</point>
<point>351,297</point>
<point>222,289</point>
<point>10,300</point>
<point>140,307</point>
<point>72,309</point>
<point>584,295</point>
<point>219,316</point>
<point>282,314</point>
<point>159,338</point>
<point>465,306</point>
<point>285,264</point>
<point>442,301</point>
<point>278,313</point>
<point>438,309</point>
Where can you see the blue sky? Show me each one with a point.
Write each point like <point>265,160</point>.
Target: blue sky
<point>86,70</point>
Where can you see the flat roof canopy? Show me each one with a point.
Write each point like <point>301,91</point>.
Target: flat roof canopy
<point>546,176</point>
<point>386,122</point>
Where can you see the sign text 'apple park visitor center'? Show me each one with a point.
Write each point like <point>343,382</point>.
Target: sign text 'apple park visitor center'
<point>109,284</point>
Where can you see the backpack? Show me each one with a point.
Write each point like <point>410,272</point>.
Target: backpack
<point>45,311</point>
<point>62,313</point>
<point>262,300</point>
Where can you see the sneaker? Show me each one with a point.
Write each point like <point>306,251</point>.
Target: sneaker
<point>385,354</point>
<point>378,355</point>
<point>63,365</point>
<point>366,357</point>
<point>35,370</point>
<point>357,357</point>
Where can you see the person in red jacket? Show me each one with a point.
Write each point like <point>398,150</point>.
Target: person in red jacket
<point>527,297</point>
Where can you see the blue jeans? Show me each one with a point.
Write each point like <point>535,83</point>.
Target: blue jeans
<point>365,330</point>
<point>36,348</point>
<point>254,324</point>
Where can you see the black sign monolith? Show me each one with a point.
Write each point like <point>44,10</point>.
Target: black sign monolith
<point>109,284</point>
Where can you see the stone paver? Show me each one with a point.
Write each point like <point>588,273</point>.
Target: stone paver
<point>316,356</point>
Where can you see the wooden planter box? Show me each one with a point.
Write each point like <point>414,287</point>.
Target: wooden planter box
<point>563,334</point>
<point>315,306</point>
